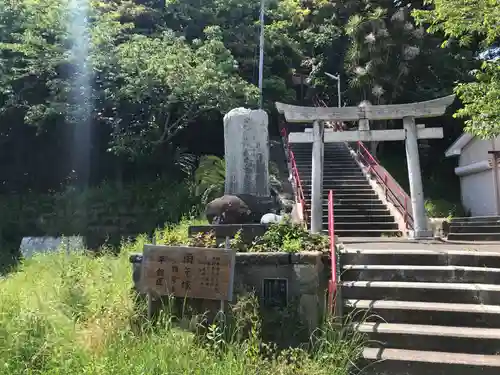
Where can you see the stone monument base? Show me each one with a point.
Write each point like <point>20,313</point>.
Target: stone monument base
<point>421,235</point>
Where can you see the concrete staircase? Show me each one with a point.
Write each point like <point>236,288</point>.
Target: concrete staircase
<point>358,210</point>
<point>485,228</point>
<point>430,312</point>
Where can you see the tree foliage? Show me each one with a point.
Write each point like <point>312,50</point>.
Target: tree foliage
<point>472,22</point>
<point>146,86</point>
<point>157,69</point>
<point>169,83</point>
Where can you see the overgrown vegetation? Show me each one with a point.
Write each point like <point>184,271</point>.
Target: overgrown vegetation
<point>443,209</point>
<point>74,314</point>
<point>105,213</point>
<point>284,236</point>
<point>280,237</point>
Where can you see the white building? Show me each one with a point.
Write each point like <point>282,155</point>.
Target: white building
<point>479,181</point>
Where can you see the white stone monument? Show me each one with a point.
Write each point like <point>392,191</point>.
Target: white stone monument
<point>246,143</point>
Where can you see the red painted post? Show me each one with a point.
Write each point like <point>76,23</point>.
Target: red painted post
<point>385,185</point>
<point>331,231</point>
<point>405,212</point>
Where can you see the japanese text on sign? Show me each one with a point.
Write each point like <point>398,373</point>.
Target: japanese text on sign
<point>188,272</point>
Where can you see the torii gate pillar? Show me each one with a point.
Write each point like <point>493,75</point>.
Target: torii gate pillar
<point>317,177</point>
<point>420,229</point>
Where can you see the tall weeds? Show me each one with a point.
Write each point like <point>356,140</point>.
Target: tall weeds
<point>75,315</point>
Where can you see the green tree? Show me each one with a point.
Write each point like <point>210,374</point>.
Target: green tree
<point>168,83</point>
<point>147,83</point>
<point>471,22</point>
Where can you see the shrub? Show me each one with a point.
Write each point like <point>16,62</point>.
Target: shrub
<point>443,209</point>
<point>284,236</point>
<point>102,214</point>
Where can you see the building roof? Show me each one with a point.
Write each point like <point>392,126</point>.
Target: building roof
<point>456,148</point>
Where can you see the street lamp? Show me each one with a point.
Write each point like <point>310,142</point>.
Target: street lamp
<point>337,78</point>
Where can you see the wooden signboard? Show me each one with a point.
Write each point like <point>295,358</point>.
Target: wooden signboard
<point>188,272</point>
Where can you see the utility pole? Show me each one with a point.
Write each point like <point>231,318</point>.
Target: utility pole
<point>261,55</point>
<point>337,78</point>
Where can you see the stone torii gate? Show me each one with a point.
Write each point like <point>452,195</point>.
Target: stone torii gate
<point>365,113</point>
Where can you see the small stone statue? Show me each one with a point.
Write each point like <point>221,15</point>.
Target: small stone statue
<point>270,218</point>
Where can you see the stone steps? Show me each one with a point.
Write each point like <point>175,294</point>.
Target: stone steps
<point>417,362</point>
<point>483,229</point>
<point>476,219</point>
<point>468,258</point>
<point>355,214</point>
<point>335,172</point>
<point>334,175</point>
<point>306,160</point>
<point>366,225</point>
<point>328,165</point>
<point>422,291</point>
<point>338,185</point>
<point>436,338</point>
<point>344,218</point>
<point>424,311</point>
<point>360,211</point>
<point>329,161</point>
<point>459,274</point>
<point>427,313</point>
<point>344,189</point>
<point>335,184</point>
<point>362,205</point>
<point>475,229</point>
<point>365,232</point>
<point>349,195</point>
<point>473,237</point>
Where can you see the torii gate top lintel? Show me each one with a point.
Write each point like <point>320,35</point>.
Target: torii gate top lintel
<point>430,108</point>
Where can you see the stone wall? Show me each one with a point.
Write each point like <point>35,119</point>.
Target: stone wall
<point>101,214</point>
<point>306,276</point>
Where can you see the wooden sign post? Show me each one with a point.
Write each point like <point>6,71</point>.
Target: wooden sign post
<point>188,272</point>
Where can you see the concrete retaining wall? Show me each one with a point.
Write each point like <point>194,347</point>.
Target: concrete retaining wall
<point>305,274</point>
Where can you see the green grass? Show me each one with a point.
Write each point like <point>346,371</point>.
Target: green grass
<point>75,315</point>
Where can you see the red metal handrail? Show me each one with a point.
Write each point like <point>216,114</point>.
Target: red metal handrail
<point>332,287</point>
<point>296,176</point>
<point>393,191</point>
